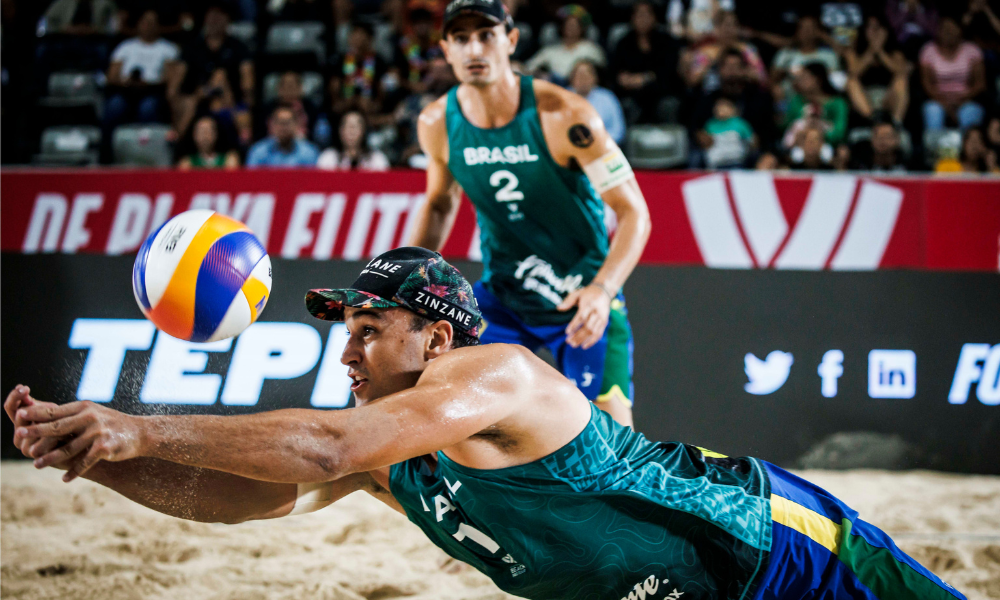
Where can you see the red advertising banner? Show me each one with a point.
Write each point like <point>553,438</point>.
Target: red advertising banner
<point>722,220</point>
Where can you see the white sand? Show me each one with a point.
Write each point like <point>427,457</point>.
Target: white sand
<point>82,541</point>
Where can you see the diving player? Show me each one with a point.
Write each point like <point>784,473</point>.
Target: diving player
<point>499,459</point>
<point>536,162</point>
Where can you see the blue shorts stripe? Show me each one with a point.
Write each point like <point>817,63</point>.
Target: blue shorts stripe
<point>801,567</point>
<point>807,494</point>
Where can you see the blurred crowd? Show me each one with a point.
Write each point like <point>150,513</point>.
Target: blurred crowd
<point>888,86</point>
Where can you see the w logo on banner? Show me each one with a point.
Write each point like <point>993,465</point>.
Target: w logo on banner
<point>844,224</point>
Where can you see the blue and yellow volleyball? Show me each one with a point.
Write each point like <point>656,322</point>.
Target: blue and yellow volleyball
<point>202,277</point>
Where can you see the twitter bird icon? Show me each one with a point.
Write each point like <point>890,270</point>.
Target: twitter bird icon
<point>767,375</point>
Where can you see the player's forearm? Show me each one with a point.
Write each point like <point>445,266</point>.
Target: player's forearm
<point>433,225</point>
<point>283,446</point>
<point>628,243</point>
<point>194,493</point>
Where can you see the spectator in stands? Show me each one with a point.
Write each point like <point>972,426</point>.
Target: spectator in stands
<point>352,152</point>
<point>645,63</point>
<point>877,70</point>
<point>283,147</point>
<point>737,83</point>
<point>557,60</point>
<point>290,94</point>
<point>815,104</point>
<point>440,78</point>
<point>843,19</point>
<point>583,80</point>
<point>175,16</point>
<point>974,157</point>
<point>882,154</point>
<point>695,20</point>
<point>417,48</point>
<point>234,120</point>
<point>728,140</point>
<point>953,74</point>
<point>914,23</point>
<point>807,47</point>
<point>215,49</point>
<point>136,91</point>
<point>700,66</point>
<point>982,25</point>
<point>207,155</point>
<point>357,75</point>
<point>993,134</point>
<point>811,152</point>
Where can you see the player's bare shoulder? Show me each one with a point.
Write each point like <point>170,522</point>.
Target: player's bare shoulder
<point>571,125</point>
<point>495,369</point>
<point>432,129</point>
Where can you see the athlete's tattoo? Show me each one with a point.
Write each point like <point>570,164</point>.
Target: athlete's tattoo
<point>580,136</point>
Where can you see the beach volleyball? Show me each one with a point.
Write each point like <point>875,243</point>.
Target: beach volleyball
<point>202,277</point>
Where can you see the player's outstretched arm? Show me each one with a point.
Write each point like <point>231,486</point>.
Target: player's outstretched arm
<point>575,133</point>
<point>455,398</point>
<point>436,215</point>
<point>187,492</point>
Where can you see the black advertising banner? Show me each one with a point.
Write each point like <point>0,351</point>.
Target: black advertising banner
<point>745,362</point>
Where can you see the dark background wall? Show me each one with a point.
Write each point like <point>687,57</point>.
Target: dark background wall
<point>692,326</point>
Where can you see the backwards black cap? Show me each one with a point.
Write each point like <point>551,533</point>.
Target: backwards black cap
<point>413,278</point>
<point>494,10</point>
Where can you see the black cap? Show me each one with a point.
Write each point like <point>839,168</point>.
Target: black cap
<point>494,10</point>
<point>413,278</point>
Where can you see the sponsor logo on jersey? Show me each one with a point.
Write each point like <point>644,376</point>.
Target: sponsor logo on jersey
<point>539,276</point>
<point>649,587</point>
<point>508,155</point>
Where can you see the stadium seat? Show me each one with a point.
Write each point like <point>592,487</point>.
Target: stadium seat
<point>384,41</point>
<point>615,35</point>
<point>657,146</point>
<point>72,89</point>
<point>69,146</point>
<point>142,145</point>
<point>312,86</point>
<point>940,144</point>
<point>667,109</point>
<point>245,32</point>
<point>297,38</point>
<point>549,34</point>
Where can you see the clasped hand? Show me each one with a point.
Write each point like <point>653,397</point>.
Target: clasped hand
<point>72,436</point>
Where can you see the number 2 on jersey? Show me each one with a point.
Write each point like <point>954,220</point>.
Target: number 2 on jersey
<point>509,192</point>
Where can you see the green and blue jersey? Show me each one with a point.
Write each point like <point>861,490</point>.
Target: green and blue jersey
<point>542,232</point>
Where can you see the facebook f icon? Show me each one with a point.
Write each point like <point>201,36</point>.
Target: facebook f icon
<point>830,370</point>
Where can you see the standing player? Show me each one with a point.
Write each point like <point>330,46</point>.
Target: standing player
<point>536,162</point>
<point>500,461</point>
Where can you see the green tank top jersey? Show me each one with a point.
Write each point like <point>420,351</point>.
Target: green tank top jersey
<point>198,161</point>
<point>609,515</point>
<point>541,225</point>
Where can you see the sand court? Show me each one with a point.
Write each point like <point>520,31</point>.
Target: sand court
<point>83,541</point>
